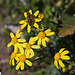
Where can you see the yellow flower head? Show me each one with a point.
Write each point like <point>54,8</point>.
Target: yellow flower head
<point>61,55</point>
<point>12,57</point>
<point>30,20</point>
<point>41,16</point>
<point>15,40</point>
<point>42,37</point>
<point>29,47</point>
<point>23,58</point>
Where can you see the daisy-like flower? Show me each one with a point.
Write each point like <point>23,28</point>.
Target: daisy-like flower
<point>29,47</point>
<point>23,58</point>
<point>41,16</point>
<point>61,55</point>
<point>13,57</point>
<point>30,20</point>
<point>42,37</point>
<point>15,41</point>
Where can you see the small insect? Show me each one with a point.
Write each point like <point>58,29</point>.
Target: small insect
<point>30,19</point>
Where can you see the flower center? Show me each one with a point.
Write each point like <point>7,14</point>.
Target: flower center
<point>57,56</point>
<point>22,58</point>
<point>14,40</point>
<point>41,35</point>
<point>28,46</point>
<point>13,55</point>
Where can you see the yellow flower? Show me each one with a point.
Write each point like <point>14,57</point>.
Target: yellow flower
<point>23,58</point>
<point>15,41</point>
<point>42,37</point>
<point>13,56</point>
<point>29,47</point>
<point>61,55</point>
<point>41,16</point>
<point>30,20</point>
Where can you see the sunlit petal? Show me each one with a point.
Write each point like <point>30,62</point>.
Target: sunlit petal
<point>43,43</point>
<point>61,50</point>
<point>9,44</point>
<point>28,63</point>
<point>30,11</point>
<point>56,64</point>
<point>18,65</point>
<point>36,13</point>
<point>17,33</point>
<point>22,22</point>
<point>25,14</point>
<point>46,39</point>
<point>29,28</point>
<point>61,63</point>
<point>39,42</point>
<point>31,40</point>
<point>64,52</point>
<point>23,26</point>
<point>65,57</point>
<point>47,31</point>
<point>35,46</point>
<point>11,35</point>
<point>36,25</point>
<point>13,62</point>
<point>37,20</point>
<point>51,33</point>
<point>22,65</point>
<point>35,38</point>
<point>21,40</point>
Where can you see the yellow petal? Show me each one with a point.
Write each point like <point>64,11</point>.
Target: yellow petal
<point>61,50</point>
<point>13,62</point>
<point>20,48</point>
<point>27,52</point>
<point>31,53</point>
<point>39,42</point>
<point>9,44</point>
<point>11,35</point>
<point>61,63</point>
<point>56,64</point>
<point>15,48</point>
<point>18,55</point>
<point>17,33</point>
<point>23,45</point>
<point>28,28</point>
<point>64,52</point>
<point>16,58</point>
<point>35,46</point>
<point>31,40</point>
<point>50,33</point>
<point>65,57</point>
<point>23,26</point>
<point>30,11</point>
<point>18,65</point>
<point>25,14</point>
<point>43,43</point>
<point>35,38</point>
<point>22,22</point>
<point>36,25</point>
<point>37,20</point>
<point>36,13</point>
<point>46,39</point>
<point>47,31</point>
<point>22,65</point>
<point>10,62</point>
<point>21,40</point>
<point>28,63</point>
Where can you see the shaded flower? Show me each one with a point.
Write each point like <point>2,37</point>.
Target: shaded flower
<point>42,37</point>
<point>23,58</point>
<point>61,55</point>
<point>41,16</point>
<point>30,20</point>
<point>13,58</point>
<point>15,41</point>
<point>29,47</point>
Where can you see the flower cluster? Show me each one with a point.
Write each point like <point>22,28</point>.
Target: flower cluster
<point>23,50</point>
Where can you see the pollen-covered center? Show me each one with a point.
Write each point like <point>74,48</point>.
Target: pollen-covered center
<point>41,35</point>
<point>28,46</point>
<point>14,40</point>
<point>22,58</point>
<point>13,55</point>
<point>57,56</point>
